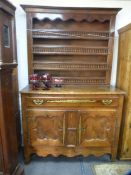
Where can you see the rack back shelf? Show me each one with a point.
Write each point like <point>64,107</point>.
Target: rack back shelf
<point>75,44</point>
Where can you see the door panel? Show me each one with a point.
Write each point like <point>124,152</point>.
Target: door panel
<point>71,128</point>
<point>46,127</point>
<point>97,128</point>
<point>72,122</point>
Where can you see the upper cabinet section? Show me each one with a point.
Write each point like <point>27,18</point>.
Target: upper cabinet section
<point>7,33</point>
<point>75,44</point>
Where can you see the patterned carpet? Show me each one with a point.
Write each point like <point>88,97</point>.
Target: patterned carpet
<point>63,166</point>
<point>112,169</point>
<point>69,166</point>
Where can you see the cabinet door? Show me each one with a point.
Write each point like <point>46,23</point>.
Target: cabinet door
<point>46,127</point>
<point>97,128</point>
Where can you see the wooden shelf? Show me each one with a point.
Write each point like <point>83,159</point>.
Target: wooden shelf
<point>70,66</point>
<point>57,34</point>
<point>69,50</point>
<point>83,80</point>
<point>71,43</point>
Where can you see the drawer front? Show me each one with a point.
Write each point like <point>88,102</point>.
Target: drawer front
<point>71,102</point>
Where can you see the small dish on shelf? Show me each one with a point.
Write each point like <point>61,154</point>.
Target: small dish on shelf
<point>47,81</point>
<point>34,81</point>
<point>57,82</point>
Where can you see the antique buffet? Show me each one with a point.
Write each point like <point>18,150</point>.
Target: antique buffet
<point>82,117</point>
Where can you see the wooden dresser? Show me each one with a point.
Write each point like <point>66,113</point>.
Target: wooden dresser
<point>124,82</point>
<point>9,107</point>
<point>71,121</point>
<point>83,117</point>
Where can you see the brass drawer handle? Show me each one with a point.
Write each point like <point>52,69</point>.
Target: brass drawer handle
<point>38,102</point>
<point>107,101</point>
<point>71,101</point>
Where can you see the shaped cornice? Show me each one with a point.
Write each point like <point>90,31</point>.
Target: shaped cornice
<point>70,13</point>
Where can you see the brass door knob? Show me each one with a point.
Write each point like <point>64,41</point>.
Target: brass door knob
<point>38,102</point>
<point>107,101</point>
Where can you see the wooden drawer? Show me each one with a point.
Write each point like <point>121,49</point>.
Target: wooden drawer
<point>71,102</point>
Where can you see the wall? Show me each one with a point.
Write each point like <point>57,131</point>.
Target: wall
<point>123,18</point>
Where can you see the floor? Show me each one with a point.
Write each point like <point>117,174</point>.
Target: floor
<point>63,165</point>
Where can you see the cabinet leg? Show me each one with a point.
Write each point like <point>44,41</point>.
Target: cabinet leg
<point>113,157</point>
<point>26,159</point>
<point>26,156</point>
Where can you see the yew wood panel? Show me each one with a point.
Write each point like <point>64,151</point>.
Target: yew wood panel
<point>124,82</point>
<point>98,127</point>
<point>45,127</point>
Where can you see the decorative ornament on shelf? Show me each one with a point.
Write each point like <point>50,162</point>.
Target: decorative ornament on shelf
<point>47,81</point>
<point>44,81</point>
<point>34,80</point>
<point>57,82</point>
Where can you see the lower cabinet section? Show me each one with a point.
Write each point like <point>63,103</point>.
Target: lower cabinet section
<point>71,128</point>
<point>76,129</point>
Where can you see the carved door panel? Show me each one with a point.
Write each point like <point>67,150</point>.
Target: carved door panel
<point>97,128</point>
<point>46,127</point>
<point>71,127</point>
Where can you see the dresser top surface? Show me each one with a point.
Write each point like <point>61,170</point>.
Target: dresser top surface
<point>74,90</point>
